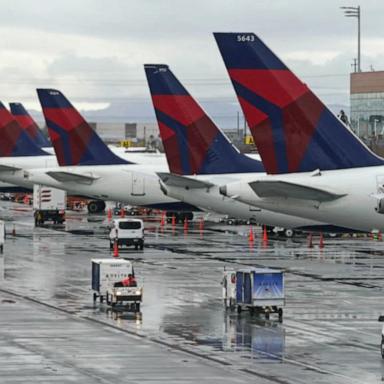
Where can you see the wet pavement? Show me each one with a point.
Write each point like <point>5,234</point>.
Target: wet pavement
<point>51,330</point>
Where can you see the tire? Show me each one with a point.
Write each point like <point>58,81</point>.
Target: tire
<point>101,298</point>
<point>289,233</point>
<point>382,347</point>
<point>93,207</point>
<point>187,215</point>
<point>101,205</point>
<point>94,297</point>
<point>267,315</point>
<point>136,247</point>
<point>280,312</point>
<point>141,246</point>
<point>239,309</point>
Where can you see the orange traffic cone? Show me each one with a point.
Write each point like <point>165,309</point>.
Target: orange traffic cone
<point>251,237</point>
<point>122,213</point>
<point>109,214</point>
<point>173,220</point>
<point>185,225</point>
<point>265,235</point>
<point>310,245</point>
<point>201,224</point>
<point>115,249</point>
<point>162,220</point>
<point>321,243</point>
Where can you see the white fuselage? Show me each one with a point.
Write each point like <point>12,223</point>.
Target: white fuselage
<point>135,184</point>
<point>362,187</point>
<point>210,199</point>
<point>138,184</point>
<point>132,184</point>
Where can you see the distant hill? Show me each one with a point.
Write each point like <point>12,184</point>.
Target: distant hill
<point>223,113</point>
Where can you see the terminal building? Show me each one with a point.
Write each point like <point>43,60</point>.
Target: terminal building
<point>140,133</point>
<point>367,107</point>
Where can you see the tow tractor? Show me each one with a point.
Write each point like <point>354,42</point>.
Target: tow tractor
<point>108,276</point>
<point>260,290</point>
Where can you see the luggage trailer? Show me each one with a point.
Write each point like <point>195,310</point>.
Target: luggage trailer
<point>260,290</point>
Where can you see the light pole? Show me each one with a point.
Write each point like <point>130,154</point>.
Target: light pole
<point>355,12</point>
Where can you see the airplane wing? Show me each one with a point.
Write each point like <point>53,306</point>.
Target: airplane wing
<point>8,168</point>
<point>63,176</point>
<point>173,180</point>
<point>288,190</point>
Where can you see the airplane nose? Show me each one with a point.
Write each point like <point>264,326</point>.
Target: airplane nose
<point>223,190</point>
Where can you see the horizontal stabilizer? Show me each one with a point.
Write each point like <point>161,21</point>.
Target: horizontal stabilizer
<point>182,181</point>
<point>8,168</point>
<point>284,189</point>
<point>70,176</point>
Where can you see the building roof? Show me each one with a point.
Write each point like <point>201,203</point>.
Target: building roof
<point>367,82</point>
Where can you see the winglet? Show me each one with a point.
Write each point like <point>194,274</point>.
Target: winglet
<point>193,143</point>
<point>73,139</point>
<point>292,129</point>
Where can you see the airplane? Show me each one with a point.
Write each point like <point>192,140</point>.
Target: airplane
<point>88,167</point>
<point>317,167</point>
<point>26,122</point>
<point>18,153</point>
<point>201,158</point>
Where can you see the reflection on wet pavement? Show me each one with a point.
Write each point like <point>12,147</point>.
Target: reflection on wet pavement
<point>334,295</point>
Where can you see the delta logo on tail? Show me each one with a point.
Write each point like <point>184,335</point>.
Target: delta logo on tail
<point>29,125</point>
<point>192,142</point>
<point>14,141</point>
<point>73,139</point>
<point>293,130</point>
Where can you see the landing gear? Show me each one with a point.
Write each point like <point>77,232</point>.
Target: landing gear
<point>179,216</point>
<point>96,206</point>
<point>382,347</point>
<point>280,312</point>
<point>289,233</point>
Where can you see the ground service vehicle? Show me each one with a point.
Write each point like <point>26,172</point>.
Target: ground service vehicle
<point>107,278</point>
<point>261,290</point>
<point>48,205</point>
<point>2,235</point>
<point>127,232</point>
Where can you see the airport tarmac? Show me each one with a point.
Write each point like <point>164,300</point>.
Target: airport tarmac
<point>50,330</point>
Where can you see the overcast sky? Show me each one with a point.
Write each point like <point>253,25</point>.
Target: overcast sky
<point>94,50</point>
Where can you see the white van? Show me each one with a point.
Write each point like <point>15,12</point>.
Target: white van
<point>127,232</point>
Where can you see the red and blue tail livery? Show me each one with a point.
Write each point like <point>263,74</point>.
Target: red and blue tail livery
<point>73,139</point>
<point>14,141</point>
<point>192,142</point>
<point>29,125</point>
<point>293,130</point>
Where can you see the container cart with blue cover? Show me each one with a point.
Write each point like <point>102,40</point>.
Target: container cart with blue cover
<point>260,290</point>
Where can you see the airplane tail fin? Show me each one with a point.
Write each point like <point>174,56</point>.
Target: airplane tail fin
<point>292,129</point>
<point>193,143</point>
<point>14,141</point>
<point>73,139</point>
<point>26,122</point>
